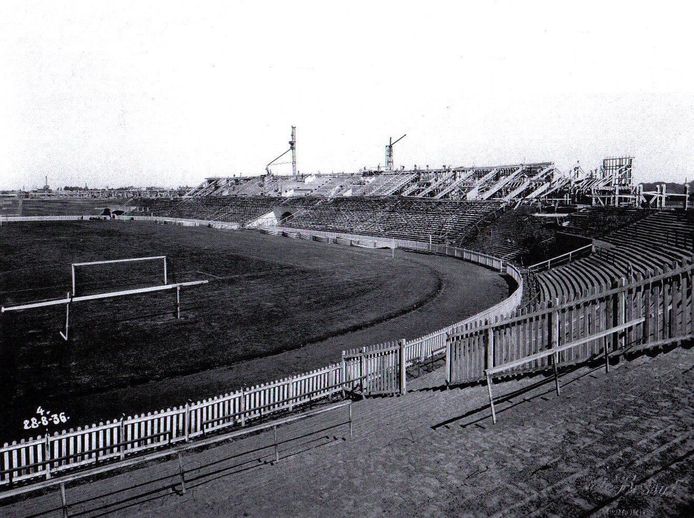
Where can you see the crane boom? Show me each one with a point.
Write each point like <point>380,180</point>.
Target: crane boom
<point>292,148</point>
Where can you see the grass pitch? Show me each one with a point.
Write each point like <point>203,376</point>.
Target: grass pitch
<point>266,296</point>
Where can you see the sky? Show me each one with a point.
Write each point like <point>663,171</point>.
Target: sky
<point>168,93</point>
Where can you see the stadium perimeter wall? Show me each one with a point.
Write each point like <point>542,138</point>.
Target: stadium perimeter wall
<point>53,454</point>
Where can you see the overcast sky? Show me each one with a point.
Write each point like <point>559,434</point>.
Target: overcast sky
<point>167,93</point>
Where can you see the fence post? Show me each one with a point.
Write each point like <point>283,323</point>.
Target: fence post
<point>403,368</point>
<point>121,436</point>
<point>448,360</point>
<point>621,311</point>
<point>47,454</point>
<point>242,407</point>
<point>186,421</point>
<point>362,377</point>
<point>343,374</point>
<point>555,344</point>
<point>290,394</point>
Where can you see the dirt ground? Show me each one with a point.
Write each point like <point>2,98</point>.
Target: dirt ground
<point>273,306</point>
<point>616,444</point>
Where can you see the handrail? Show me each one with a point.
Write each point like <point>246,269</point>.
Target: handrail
<point>549,352</point>
<point>548,262</point>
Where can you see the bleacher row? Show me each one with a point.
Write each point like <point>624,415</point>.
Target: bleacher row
<point>240,210</point>
<point>406,218</point>
<point>57,206</point>
<point>661,239</point>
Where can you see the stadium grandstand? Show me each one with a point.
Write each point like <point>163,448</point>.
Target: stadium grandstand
<point>596,268</point>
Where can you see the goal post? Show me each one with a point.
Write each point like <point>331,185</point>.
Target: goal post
<point>74,267</point>
<point>72,297</point>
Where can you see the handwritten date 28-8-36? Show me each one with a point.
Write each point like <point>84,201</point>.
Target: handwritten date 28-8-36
<point>45,418</point>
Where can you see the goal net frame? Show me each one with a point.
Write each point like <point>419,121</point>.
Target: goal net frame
<point>72,297</point>
<point>74,267</point>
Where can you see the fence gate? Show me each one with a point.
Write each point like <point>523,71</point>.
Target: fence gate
<point>376,371</point>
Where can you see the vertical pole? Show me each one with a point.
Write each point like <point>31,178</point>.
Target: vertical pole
<point>67,319</point>
<point>121,436</point>
<point>608,338</point>
<point>242,408</point>
<point>47,454</point>
<point>274,438</point>
<point>350,420</point>
<point>178,302</point>
<point>343,374</point>
<point>621,311</point>
<point>448,360</point>
<point>362,374</point>
<point>555,344</point>
<point>63,500</point>
<point>403,369</point>
<point>181,473</point>
<point>490,346</point>
<point>290,391</point>
<point>293,146</point>
<point>73,280</point>
<point>430,242</point>
<point>186,421</point>
<point>165,272</point>
<point>491,397</point>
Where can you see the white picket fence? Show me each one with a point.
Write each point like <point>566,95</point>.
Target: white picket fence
<point>48,455</point>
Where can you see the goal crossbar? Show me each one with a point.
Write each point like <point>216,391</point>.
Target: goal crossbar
<point>115,261</point>
<point>128,260</point>
<point>96,296</point>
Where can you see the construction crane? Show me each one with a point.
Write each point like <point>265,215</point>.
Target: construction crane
<point>389,152</point>
<point>292,148</point>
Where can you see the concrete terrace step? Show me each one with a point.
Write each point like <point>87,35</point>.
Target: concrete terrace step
<point>436,452</point>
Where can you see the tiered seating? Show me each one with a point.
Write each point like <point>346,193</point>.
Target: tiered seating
<point>508,234</point>
<point>66,206</point>
<point>658,240</point>
<point>405,218</point>
<point>240,210</point>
